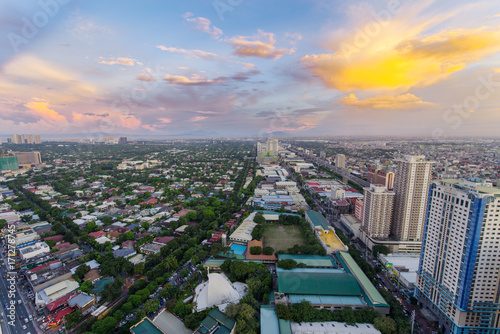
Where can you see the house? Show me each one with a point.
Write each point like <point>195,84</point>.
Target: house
<point>163,240</point>
<point>128,244</point>
<point>97,234</point>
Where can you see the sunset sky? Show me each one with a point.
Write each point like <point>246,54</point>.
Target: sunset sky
<point>250,68</point>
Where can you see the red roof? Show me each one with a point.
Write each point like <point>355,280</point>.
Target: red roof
<point>61,314</point>
<point>163,240</point>
<point>150,201</point>
<point>59,302</point>
<point>313,184</point>
<point>43,266</point>
<point>55,238</point>
<point>97,234</point>
<point>62,246</point>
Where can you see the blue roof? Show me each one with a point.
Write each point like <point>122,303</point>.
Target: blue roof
<point>269,323</point>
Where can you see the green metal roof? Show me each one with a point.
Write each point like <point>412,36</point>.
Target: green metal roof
<point>145,326</point>
<point>269,323</point>
<point>285,327</point>
<point>268,212</point>
<point>217,317</point>
<point>310,260</point>
<point>372,293</point>
<point>319,282</point>
<point>318,219</point>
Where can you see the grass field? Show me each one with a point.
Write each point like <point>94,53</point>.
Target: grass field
<point>281,237</point>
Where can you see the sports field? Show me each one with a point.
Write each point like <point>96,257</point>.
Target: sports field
<point>281,237</point>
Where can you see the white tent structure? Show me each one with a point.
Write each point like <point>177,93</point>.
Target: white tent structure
<point>218,291</point>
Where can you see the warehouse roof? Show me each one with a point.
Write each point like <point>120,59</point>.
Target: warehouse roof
<point>372,293</point>
<point>317,282</point>
<point>310,260</point>
<point>317,219</point>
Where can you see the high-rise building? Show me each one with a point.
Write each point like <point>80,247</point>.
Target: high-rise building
<point>340,161</point>
<point>37,139</point>
<point>378,207</point>
<point>459,272</point>
<point>411,186</point>
<point>122,140</point>
<point>272,146</point>
<point>380,176</point>
<point>29,139</point>
<point>358,208</point>
<point>16,139</point>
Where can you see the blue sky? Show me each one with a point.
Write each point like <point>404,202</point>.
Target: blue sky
<point>250,68</point>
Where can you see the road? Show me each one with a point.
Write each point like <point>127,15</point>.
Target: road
<point>21,311</point>
<point>335,169</point>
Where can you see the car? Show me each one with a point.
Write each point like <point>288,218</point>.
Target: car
<point>30,317</point>
<point>19,301</point>
<point>26,320</point>
<point>25,327</point>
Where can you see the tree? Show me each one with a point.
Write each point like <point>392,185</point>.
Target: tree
<point>127,307</point>
<point>287,264</point>
<point>184,272</point>
<point>258,232</point>
<point>145,225</point>
<point>139,268</point>
<point>255,250</point>
<point>268,250</point>
<point>151,305</point>
<point>380,249</point>
<point>385,325</point>
<point>259,218</point>
<point>82,270</point>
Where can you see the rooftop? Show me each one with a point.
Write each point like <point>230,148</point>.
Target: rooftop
<point>317,282</point>
<point>317,219</point>
<point>145,326</point>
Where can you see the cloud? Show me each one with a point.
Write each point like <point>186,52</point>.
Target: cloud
<point>261,45</point>
<point>408,59</point>
<point>293,37</point>
<point>40,108</point>
<point>195,79</point>
<point>145,77</point>
<point>406,101</point>
<point>120,61</point>
<point>198,118</point>
<point>193,53</point>
<point>204,25</point>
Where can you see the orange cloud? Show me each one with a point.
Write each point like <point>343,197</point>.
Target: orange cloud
<point>204,25</point>
<point>261,46</point>
<point>40,108</point>
<point>145,77</point>
<point>406,101</point>
<point>193,53</point>
<point>195,79</point>
<point>120,61</point>
<point>198,118</point>
<point>408,61</point>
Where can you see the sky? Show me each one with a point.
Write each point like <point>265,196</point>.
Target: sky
<point>253,68</point>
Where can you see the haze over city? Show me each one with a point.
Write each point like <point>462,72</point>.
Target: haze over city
<point>250,68</point>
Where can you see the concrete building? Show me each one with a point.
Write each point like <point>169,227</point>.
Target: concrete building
<point>37,139</point>
<point>37,249</point>
<point>29,139</point>
<point>272,146</point>
<point>358,208</point>
<point>458,277</point>
<point>413,177</point>
<point>380,176</point>
<point>340,161</point>
<point>25,238</point>
<point>377,211</point>
<point>8,162</point>
<point>29,158</point>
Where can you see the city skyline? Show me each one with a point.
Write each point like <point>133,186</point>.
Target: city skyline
<point>253,69</point>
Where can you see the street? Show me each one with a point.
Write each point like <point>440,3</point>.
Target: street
<point>21,310</point>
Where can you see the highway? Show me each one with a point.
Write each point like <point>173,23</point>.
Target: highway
<point>20,311</point>
<point>340,171</point>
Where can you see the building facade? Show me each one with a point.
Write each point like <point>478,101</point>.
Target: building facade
<point>29,158</point>
<point>458,276</point>
<point>340,161</point>
<point>411,186</point>
<point>380,176</point>
<point>377,211</point>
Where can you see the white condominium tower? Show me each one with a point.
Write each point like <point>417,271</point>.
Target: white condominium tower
<point>411,186</point>
<point>458,276</point>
